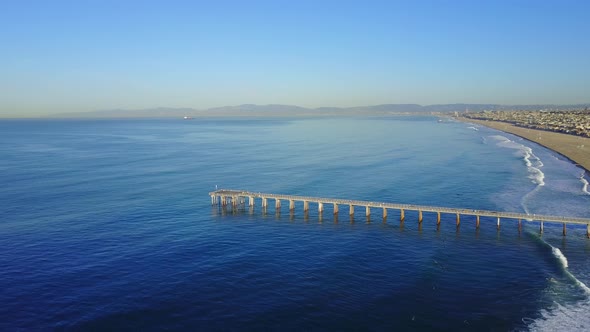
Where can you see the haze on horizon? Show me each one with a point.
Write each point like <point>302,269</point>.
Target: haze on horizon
<point>75,56</point>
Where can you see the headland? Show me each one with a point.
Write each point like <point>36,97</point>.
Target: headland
<point>575,148</point>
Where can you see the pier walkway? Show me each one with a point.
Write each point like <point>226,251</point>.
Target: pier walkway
<point>237,197</point>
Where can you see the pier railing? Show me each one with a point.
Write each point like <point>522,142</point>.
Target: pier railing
<point>236,197</point>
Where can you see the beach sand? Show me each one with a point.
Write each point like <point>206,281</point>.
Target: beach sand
<point>575,148</point>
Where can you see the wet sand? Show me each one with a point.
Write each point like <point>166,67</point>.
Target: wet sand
<point>575,148</point>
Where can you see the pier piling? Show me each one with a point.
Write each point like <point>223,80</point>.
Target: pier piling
<point>237,199</point>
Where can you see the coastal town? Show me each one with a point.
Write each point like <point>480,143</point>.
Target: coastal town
<point>573,122</point>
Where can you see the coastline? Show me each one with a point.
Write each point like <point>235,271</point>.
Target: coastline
<point>575,148</point>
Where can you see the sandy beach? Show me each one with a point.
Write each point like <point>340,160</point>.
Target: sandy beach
<point>575,148</point>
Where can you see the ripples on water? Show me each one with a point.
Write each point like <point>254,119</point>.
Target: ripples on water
<point>107,225</point>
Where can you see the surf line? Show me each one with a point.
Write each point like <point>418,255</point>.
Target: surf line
<point>584,183</point>
<point>533,164</point>
<point>563,263</point>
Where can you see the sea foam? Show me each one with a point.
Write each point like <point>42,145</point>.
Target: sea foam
<point>560,257</point>
<point>584,184</point>
<point>563,318</point>
<point>532,162</point>
<point>571,317</point>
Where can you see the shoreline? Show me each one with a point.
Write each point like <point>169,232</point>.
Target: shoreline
<point>574,148</point>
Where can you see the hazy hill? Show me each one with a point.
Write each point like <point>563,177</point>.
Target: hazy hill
<point>120,113</point>
<point>258,108</point>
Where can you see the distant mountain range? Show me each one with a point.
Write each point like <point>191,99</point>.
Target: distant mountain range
<point>248,110</point>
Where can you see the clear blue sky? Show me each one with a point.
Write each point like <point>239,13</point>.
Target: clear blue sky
<point>63,56</point>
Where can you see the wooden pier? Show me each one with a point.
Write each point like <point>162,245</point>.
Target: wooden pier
<point>236,198</point>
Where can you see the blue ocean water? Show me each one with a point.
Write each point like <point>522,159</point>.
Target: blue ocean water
<point>107,225</point>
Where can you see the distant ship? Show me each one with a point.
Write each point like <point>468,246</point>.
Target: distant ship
<point>188,118</point>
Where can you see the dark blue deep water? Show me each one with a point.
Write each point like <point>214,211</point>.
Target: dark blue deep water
<point>107,225</point>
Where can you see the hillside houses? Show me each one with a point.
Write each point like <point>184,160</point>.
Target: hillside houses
<point>575,122</point>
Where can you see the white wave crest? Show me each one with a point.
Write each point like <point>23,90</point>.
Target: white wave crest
<point>571,317</point>
<point>537,176</point>
<point>559,255</point>
<point>563,261</point>
<point>473,128</point>
<point>584,184</point>
<point>534,165</point>
<point>532,162</point>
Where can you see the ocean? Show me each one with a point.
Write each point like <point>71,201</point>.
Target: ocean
<point>107,225</point>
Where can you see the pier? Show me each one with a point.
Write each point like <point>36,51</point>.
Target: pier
<point>237,198</point>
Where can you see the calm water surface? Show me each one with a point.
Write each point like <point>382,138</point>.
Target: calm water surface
<point>107,225</point>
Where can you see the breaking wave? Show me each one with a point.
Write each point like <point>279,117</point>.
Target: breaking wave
<point>584,183</point>
<point>560,317</point>
<point>564,265</point>
<point>532,162</point>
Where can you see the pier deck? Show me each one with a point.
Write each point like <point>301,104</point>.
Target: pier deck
<point>234,194</point>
